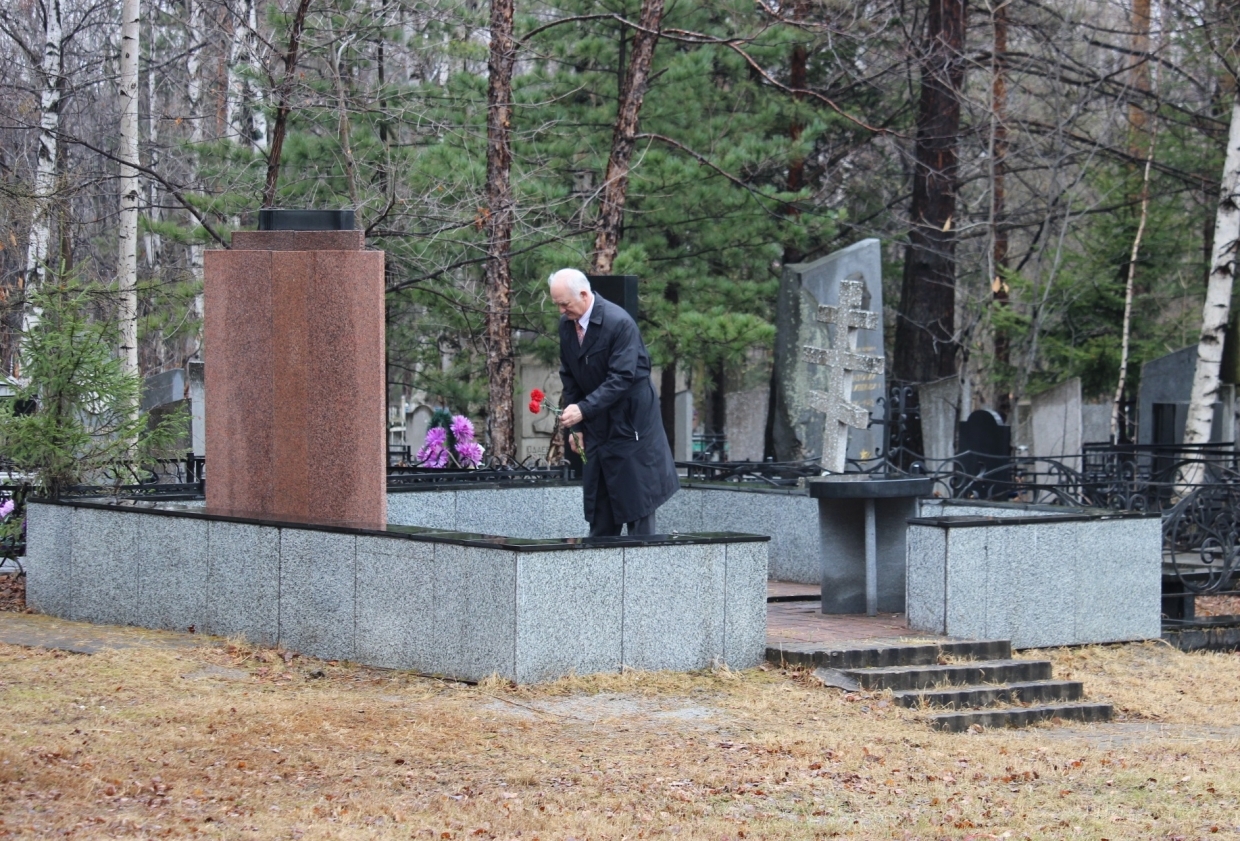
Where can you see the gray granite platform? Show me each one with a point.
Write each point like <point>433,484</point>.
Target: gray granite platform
<point>1043,579</point>
<point>465,606</point>
<point>787,515</point>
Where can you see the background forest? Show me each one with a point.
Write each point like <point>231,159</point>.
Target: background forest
<point>1025,165</point>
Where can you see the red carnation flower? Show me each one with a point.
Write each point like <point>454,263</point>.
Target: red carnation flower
<point>537,395</point>
<point>535,406</point>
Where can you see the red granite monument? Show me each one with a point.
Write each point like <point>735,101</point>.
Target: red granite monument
<point>295,377</point>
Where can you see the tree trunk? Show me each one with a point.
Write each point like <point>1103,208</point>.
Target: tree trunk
<point>501,364</point>
<point>925,341</point>
<point>667,382</point>
<point>632,92</point>
<point>127,257</point>
<point>998,195</point>
<point>51,83</point>
<point>1214,315</point>
<point>196,32</point>
<point>1129,287</point>
<point>283,92</point>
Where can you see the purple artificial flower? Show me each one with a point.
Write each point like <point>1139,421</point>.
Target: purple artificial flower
<point>6,509</point>
<point>462,429</point>
<point>434,452</point>
<point>470,453</point>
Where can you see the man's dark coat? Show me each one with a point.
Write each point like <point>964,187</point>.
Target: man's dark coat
<point>608,377</point>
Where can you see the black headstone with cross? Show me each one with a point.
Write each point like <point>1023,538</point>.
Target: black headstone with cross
<point>985,450</point>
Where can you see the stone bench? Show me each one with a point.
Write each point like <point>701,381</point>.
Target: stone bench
<point>443,602</point>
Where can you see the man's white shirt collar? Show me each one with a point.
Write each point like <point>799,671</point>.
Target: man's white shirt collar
<point>584,321</point>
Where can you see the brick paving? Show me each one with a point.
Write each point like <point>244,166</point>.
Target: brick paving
<point>791,590</point>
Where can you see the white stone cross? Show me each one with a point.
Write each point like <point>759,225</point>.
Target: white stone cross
<point>841,362</point>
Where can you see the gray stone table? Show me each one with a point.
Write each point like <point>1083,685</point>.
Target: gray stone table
<point>862,520</point>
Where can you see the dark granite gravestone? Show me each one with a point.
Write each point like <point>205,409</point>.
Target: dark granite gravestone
<point>620,289</point>
<point>796,427</point>
<point>986,447</point>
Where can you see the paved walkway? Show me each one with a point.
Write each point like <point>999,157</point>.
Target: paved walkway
<point>38,631</point>
<point>796,621</point>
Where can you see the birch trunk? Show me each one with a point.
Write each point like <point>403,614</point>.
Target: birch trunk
<point>632,93</point>
<point>501,364</point>
<point>127,258</point>
<point>51,81</point>
<point>1218,300</point>
<point>258,117</point>
<point>1129,289</point>
<point>194,84</point>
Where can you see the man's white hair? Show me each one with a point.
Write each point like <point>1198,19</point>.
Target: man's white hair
<point>576,280</point>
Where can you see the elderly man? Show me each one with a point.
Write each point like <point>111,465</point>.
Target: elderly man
<point>605,369</point>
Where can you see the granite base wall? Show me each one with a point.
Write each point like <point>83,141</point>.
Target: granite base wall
<point>1044,581</point>
<point>788,517</point>
<point>462,611</point>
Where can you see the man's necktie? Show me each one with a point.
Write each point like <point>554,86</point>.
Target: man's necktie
<point>581,332</point>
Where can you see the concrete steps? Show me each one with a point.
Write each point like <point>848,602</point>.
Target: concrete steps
<point>977,680</point>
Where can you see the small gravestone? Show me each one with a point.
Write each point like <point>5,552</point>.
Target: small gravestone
<point>986,448</point>
<point>1162,400</point>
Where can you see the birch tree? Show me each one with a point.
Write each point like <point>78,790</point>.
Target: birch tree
<point>1197,426</point>
<point>50,63</point>
<point>127,257</point>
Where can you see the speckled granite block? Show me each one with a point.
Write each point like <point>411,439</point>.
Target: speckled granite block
<point>796,554</point>
<point>744,606</point>
<point>426,509</point>
<point>1007,551</point>
<point>105,567</point>
<point>511,512</point>
<point>172,572</point>
<point>925,579</point>
<point>1043,561</point>
<point>682,513</point>
<point>562,514</point>
<point>243,591</point>
<point>966,593</point>
<point>1119,583</point>
<point>673,606</point>
<point>49,558</point>
<point>295,372</point>
<point>569,613</point>
<point>475,612</point>
<point>395,603</point>
<point>317,576</point>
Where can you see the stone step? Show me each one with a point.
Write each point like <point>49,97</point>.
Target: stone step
<point>963,697</point>
<point>958,722</point>
<point>953,674</point>
<point>883,654</point>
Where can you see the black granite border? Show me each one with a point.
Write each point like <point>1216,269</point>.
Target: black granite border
<point>482,485</point>
<point>973,522</point>
<point>482,541</point>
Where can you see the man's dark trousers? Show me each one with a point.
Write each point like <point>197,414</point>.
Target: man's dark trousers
<point>604,524</point>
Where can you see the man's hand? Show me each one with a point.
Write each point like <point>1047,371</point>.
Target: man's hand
<point>577,441</point>
<point>571,416</point>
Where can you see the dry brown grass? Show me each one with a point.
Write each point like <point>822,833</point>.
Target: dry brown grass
<point>237,742</point>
